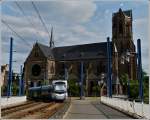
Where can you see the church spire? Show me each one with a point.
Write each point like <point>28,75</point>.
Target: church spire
<point>51,43</point>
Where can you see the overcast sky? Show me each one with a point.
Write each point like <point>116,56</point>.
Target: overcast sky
<point>74,22</point>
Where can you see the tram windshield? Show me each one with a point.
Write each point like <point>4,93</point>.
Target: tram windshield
<point>60,86</point>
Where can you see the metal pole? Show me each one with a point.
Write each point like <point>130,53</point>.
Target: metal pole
<point>10,68</point>
<point>109,81</point>
<point>81,80</point>
<point>140,70</point>
<point>128,82</point>
<point>22,90</point>
<point>20,82</point>
<point>66,72</point>
<point>110,62</point>
<point>107,67</point>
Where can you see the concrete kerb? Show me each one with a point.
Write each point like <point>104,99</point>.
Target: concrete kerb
<point>67,110</point>
<point>61,112</point>
<point>123,111</point>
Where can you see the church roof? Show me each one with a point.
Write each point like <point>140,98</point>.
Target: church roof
<point>46,50</point>
<point>85,51</point>
<point>76,52</point>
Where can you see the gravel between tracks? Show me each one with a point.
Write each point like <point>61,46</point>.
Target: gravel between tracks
<point>36,110</point>
<point>45,113</point>
<point>11,109</point>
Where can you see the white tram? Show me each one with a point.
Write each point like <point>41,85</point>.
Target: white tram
<point>56,91</point>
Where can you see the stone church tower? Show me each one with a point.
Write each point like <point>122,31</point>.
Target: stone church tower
<point>122,41</point>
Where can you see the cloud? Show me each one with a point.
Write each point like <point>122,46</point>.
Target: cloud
<point>24,29</point>
<point>74,22</point>
<point>75,11</point>
<point>58,14</point>
<point>77,34</point>
<point>69,11</point>
<point>121,4</point>
<point>62,15</point>
<point>22,24</point>
<point>140,22</point>
<point>140,31</point>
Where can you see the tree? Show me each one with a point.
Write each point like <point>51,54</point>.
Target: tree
<point>145,87</point>
<point>134,86</point>
<point>15,89</point>
<point>73,88</point>
<point>134,89</point>
<point>124,81</point>
<point>96,90</point>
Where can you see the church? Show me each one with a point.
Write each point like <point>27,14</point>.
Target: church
<point>46,63</point>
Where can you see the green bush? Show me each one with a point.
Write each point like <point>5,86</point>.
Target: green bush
<point>134,89</point>
<point>146,87</point>
<point>134,86</point>
<point>96,90</point>
<point>74,89</point>
<point>15,89</point>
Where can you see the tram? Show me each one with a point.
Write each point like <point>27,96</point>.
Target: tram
<point>56,91</point>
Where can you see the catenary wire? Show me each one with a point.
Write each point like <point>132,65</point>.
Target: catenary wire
<point>5,23</point>
<point>29,20</point>
<point>38,13</point>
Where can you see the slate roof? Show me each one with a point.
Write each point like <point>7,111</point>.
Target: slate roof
<point>76,52</point>
<point>46,50</point>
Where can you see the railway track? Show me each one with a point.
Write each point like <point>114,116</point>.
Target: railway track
<point>45,113</point>
<point>7,110</point>
<point>31,110</point>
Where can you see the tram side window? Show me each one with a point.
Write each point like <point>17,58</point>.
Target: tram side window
<point>31,84</point>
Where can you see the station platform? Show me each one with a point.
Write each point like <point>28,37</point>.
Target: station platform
<point>5,102</point>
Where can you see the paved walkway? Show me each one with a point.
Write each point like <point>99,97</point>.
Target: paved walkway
<point>92,109</point>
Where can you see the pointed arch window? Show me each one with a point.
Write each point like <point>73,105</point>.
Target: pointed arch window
<point>52,68</point>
